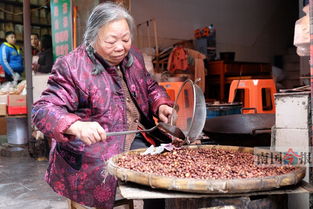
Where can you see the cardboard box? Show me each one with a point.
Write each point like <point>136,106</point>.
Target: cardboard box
<point>8,27</point>
<point>36,29</point>
<point>17,105</point>
<point>10,10</point>
<point>44,31</point>
<point>3,109</point>
<point>4,99</point>
<point>18,18</point>
<point>34,2</point>
<point>17,111</point>
<point>43,20</point>
<point>43,16</point>
<point>2,31</point>
<point>2,34</point>
<point>3,126</point>
<point>43,13</point>
<point>19,32</point>
<point>42,2</point>
<point>34,16</point>
<point>1,12</point>
<point>16,100</point>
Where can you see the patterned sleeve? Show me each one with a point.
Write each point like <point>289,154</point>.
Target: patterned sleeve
<point>157,94</point>
<point>53,113</point>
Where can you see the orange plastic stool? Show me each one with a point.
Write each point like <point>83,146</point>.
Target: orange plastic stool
<point>256,95</point>
<point>171,88</point>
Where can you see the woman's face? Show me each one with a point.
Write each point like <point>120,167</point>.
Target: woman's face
<point>11,39</point>
<point>113,41</point>
<point>34,41</point>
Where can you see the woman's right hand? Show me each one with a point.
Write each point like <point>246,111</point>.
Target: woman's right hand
<point>88,132</point>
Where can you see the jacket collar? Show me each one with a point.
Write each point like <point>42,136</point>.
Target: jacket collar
<point>17,48</point>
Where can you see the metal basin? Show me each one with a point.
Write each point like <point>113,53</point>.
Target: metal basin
<point>17,130</point>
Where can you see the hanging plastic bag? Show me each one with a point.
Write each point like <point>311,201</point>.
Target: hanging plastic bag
<point>302,34</point>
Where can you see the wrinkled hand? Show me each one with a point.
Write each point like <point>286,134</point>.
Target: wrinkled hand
<point>164,113</point>
<point>88,132</point>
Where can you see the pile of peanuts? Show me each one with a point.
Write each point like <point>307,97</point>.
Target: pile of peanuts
<point>201,163</point>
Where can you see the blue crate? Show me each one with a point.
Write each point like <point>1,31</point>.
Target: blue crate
<point>222,109</point>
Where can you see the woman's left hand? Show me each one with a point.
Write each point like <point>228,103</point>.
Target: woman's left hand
<point>164,113</point>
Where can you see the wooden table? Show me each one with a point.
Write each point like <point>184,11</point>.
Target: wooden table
<point>222,73</point>
<point>175,199</point>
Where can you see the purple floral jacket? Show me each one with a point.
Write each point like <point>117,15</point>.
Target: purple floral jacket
<point>77,171</point>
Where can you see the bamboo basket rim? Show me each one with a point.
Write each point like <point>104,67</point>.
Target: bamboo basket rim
<point>235,185</point>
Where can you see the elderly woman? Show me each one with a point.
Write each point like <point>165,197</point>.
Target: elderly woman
<point>102,86</point>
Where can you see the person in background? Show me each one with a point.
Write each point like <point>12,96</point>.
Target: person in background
<point>34,41</point>
<point>11,59</point>
<point>43,61</point>
<point>102,86</point>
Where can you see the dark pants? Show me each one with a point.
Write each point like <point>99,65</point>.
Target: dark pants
<point>140,142</point>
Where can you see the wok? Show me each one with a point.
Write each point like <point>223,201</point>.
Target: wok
<point>240,124</point>
<point>240,129</point>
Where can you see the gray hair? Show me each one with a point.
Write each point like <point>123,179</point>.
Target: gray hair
<point>103,14</point>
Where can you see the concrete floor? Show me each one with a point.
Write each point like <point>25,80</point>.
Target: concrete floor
<point>22,185</point>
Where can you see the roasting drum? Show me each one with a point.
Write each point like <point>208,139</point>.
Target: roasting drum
<point>207,186</point>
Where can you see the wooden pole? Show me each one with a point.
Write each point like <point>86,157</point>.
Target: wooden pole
<point>311,81</point>
<point>74,27</point>
<point>28,64</point>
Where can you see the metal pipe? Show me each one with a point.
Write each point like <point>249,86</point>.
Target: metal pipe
<point>28,64</point>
